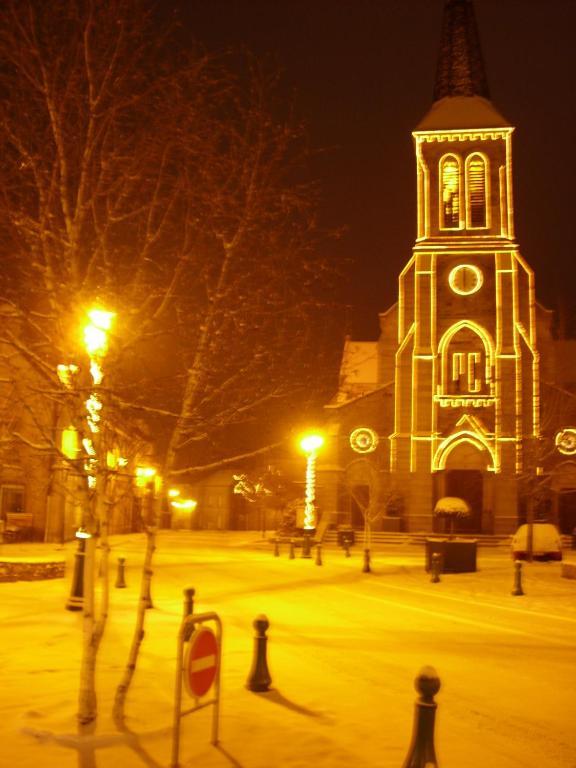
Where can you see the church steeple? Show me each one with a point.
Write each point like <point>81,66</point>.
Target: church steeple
<point>460,70</point>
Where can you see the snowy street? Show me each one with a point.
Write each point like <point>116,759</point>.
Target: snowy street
<point>344,648</point>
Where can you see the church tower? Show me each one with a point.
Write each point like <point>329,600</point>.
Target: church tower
<point>466,366</point>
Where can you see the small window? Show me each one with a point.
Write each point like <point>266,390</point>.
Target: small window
<point>476,191</point>
<point>450,188</point>
<point>12,500</point>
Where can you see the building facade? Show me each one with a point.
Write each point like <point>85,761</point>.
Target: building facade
<point>449,402</point>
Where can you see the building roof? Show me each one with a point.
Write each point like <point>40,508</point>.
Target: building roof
<point>462,112</point>
<point>460,70</point>
<point>461,94</point>
<point>358,370</point>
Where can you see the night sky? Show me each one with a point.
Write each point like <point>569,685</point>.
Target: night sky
<point>362,72</point>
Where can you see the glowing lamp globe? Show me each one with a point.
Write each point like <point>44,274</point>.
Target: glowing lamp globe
<point>311,443</point>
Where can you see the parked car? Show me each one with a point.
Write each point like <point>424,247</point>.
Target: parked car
<point>546,542</point>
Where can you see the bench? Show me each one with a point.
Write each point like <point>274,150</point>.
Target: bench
<point>18,526</point>
<point>298,538</point>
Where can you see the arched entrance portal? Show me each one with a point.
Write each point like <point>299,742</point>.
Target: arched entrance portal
<point>467,484</point>
<point>464,476</point>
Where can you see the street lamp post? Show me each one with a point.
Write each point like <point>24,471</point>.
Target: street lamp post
<point>310,444</point>
<point>96,345</point>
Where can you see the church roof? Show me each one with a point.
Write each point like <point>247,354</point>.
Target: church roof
<point>461,95</point>
<point>462,112</point>
<point>460,70</point>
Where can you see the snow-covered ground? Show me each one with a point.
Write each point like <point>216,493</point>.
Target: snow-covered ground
<point>344,648</point>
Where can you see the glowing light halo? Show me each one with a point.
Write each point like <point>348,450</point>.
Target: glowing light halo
<point>565,441</point>
<point>184,504</point>
<point>311,443</point>
<point>363,440</point>
<point>96,331</point>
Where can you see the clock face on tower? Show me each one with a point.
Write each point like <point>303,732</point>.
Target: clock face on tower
<point>465,279</point>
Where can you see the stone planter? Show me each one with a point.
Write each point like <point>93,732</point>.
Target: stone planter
<point>458,556</point>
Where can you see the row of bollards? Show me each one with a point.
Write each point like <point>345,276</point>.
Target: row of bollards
<point>421,753</point>
<point>436,569</point>
<point>259,678</point>
<point>307,545</point>
<point>75,600</point>
<point>307,552</point>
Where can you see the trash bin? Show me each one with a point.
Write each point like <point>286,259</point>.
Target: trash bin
<point>346,537</point>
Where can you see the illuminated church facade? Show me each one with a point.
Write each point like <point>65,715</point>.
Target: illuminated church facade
<point>449,400</point>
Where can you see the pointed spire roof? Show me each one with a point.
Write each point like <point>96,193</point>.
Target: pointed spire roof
<point>460,70</point>
<point>461,95</point>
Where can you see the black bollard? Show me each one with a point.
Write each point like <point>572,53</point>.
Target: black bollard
<point>189,601</point>
<point>422,753</point>
<point>120,580</point>
<point>366,567</point>
<point>517,589</point>
<point>259,679</point>
<point>306,545</point>
<point>436,567</point>
<point>318,554</point>
<point>75,600</point>
<point>276,548</point>
<point>291,554</point>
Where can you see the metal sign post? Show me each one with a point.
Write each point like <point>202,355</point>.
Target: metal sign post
<point>198,668</point>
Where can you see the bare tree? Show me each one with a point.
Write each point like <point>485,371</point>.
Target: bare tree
<point>167,185</point>
<point>540,454</point>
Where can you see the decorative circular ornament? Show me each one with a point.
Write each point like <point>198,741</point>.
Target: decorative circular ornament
<point>363,440</point>
<point>565,441</point>
<point>465,279</point>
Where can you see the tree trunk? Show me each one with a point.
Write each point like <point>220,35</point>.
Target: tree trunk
<point>92,626</point>
<point>151,526</point>
<point>87,704</point>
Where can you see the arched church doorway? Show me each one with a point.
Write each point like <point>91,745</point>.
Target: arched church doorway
<point>567,511</point>
<point>467,484</point>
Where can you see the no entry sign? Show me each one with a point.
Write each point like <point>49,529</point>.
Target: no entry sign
<point>201,662</point>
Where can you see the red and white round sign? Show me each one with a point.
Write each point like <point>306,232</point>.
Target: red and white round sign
<point>200,662</point>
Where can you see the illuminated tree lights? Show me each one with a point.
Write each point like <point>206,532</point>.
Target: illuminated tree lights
<point>311,444</point>
<point>96,345</point>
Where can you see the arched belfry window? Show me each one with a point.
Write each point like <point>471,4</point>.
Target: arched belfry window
<point>466,353</point>
<point>450,183</point>
<point>476,191</point>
